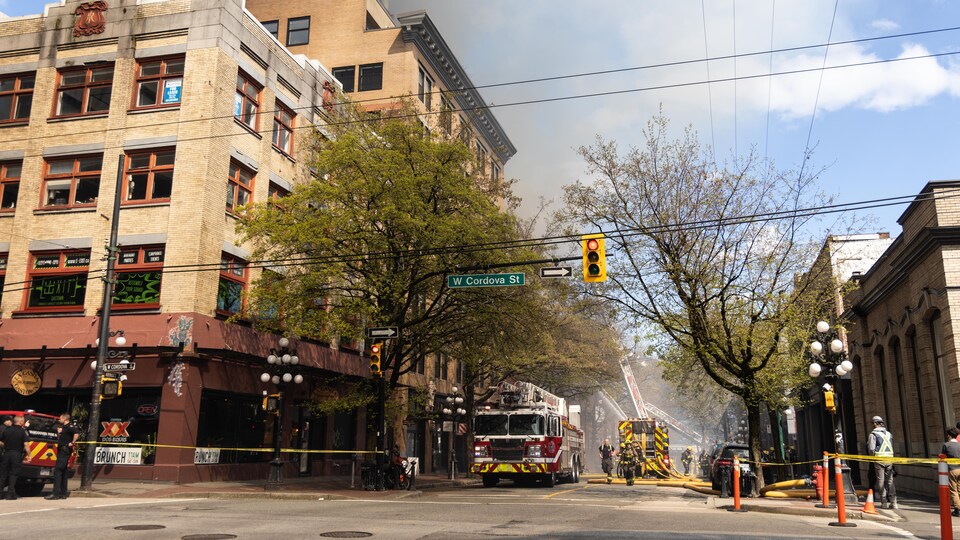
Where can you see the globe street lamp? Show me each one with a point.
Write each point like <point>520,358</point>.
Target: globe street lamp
<point>454,412</point>
<point>829,361</point>
<point>281,369</point>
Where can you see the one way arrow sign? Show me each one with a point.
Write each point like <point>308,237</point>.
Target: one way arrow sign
<point>555,271</point>
<point>386,332</point>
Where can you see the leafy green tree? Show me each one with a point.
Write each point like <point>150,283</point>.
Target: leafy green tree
<point>368,241</point>
<point>704,255</point>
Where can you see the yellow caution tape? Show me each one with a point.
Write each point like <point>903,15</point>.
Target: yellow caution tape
<point>282,450</point>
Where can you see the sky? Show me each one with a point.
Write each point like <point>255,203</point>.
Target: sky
<point>877,131</point>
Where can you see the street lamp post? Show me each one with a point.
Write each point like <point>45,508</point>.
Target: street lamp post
<point>829,361</point>
<point>454,412</point>
<point>279,371</point>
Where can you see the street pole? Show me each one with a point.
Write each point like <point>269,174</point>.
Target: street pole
<point>275,478</point>
<point>381,429</point>
<point>93,426</point>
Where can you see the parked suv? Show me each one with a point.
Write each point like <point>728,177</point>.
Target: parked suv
<point>42,441</point>
<point>723,462</point>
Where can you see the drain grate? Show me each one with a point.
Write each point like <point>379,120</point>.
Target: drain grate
<point>211,536</point>
<point>346,534</point>
<point>139,527</point>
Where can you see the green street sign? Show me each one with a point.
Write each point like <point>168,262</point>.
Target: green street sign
<point>486,280</point>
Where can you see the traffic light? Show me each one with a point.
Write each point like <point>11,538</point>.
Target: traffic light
<point>375,359</point>
<point>271,403</point>
<point>594,259</point>
<point>111,387</point>
<point>829,402</point>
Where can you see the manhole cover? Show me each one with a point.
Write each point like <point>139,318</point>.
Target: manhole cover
<point>214,536</point>
<point>346,534</point>
<point>139,527</point>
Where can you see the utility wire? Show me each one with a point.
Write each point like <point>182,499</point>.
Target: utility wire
<point>816,100</point>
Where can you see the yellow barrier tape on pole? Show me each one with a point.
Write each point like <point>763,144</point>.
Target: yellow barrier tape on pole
<point>282,450</point>
<point>896,460</point>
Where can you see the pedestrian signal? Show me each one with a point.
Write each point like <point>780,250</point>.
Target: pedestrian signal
<point>375,359</point>
<point>594,259</point>
<point>111,387</point>
<point>829,403</point>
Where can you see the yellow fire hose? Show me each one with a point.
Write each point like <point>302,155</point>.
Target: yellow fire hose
<point>787,484</point>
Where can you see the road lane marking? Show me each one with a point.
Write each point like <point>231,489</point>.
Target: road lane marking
<point>566,491</point>
<point>99,505</point>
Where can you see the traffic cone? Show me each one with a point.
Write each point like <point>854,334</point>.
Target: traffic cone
<point>868,507</point>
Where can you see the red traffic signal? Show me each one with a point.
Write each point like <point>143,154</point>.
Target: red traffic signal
<point>594,258</point>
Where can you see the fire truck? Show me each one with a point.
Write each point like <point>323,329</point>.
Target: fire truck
<point>42,442</point>
<point>651,437</point>
<point>528,435</point>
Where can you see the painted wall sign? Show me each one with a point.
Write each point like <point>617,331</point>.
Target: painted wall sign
<point>115,431</point>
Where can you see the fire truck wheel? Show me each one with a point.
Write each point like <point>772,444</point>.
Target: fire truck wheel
<point>576,472</point>
<point>550,479</point>
<point>31,489</point>
<point>490,480</point>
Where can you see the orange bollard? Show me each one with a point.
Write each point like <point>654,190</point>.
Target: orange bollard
<point>825,482</point>
<point>841,504</point>
<point>946,522</point>
<point>736,486</point>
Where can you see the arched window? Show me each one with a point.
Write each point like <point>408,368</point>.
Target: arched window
<point>918,381</point>
<point>901,393</point>
<point>943,386</point>
<point>883,395</point>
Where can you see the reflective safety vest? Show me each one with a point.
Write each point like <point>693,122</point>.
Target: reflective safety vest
<point>885,446</point>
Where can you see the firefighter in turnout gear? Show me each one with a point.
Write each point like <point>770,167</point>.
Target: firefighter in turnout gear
<point>687,459</point>
<point>606,459</point>
<point>628,462</point>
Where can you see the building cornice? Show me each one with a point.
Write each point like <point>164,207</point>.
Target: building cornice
<point>417,28</point>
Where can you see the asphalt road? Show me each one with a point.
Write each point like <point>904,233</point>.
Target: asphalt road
<point>569,511</point>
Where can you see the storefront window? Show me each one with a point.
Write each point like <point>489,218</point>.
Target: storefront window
<point>132,418</point>
<point>233,421</point>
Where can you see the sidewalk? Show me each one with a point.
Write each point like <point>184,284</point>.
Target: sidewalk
<point>318,487</point>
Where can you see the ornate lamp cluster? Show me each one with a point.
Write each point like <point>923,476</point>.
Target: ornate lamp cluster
<point>279,361</point>
<point>837,361</point>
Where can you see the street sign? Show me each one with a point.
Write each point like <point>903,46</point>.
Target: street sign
<point>486,280</point>
<point>386,332</point>
<point>120,367</point>
<point>556,271</point>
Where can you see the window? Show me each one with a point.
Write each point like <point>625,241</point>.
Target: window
<point>72,182</point>
<point>298,31</point>
<point>283,129</point>
<point>371,77</point>
<point>232,421</point>
<point>940,368</point>
<point>58,281</point>
<point>159,83</point>
<point>233,281</point>
<point>465,132</point>
<point>149,176</point>
<point>446,115</point>
<point>495,172</point>
<point>247,102</point>
<point>239,186</point>
<point>901,393</point>
<point>918,382</point>
<point>139,273</point>
<point>273,27</point>
<point>481,159</point>
<point>275,193</point>
<point>441,369</point>
<point>346,76</point>
<point>84,91</point>
<point>424,88</point>
<point>16,98</point>
<point>9,185</point>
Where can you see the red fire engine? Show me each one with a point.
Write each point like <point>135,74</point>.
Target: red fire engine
<point>42,443</point>
<point>530,435</point>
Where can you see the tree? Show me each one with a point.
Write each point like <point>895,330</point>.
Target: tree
<point>705,255</point>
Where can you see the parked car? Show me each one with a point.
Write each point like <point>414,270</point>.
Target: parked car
<point>722,462</point>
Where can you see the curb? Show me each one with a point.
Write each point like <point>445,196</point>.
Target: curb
<point>800,511</point>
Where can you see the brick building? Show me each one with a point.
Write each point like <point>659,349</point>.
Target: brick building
<point>903,335</point>
<point>175,103</point>
<point>381,59</point>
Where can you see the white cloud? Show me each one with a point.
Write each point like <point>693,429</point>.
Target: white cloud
<point>884,24</point>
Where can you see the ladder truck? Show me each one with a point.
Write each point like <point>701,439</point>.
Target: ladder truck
<point>528,435</point>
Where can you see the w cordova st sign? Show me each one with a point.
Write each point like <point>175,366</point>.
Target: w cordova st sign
<point>486,280</point>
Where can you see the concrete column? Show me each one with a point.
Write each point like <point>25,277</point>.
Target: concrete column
<point>179,420</point>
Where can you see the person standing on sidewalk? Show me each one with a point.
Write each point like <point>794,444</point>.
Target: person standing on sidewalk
<point>880,444</point>
<point>951,449</point>
<point>67,436</point>
<point>14,441</point>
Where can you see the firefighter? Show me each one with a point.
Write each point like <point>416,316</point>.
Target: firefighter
<point>607,452</point>
<point>628,462</point>
<point>687,459</point>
